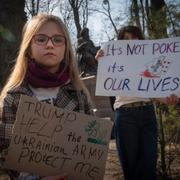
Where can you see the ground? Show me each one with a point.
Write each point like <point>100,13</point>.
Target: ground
<point>113,169</point>
<point>114,172</point>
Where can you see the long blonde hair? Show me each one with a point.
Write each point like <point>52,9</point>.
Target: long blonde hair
<point>30,29</point>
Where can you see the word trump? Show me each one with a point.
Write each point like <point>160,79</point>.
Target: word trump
<point>34,125</point>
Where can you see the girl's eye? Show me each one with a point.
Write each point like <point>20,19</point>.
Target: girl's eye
<point>41,39</point>
<point>58,39</point>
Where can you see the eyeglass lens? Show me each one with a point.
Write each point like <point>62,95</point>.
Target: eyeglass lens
<point>42,39</point>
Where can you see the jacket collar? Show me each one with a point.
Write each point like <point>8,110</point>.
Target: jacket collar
<point>67,97</point>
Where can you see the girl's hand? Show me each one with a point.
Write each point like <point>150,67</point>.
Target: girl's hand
<point>100,53</point>
<point>171,100</point>
<point>57,177</point>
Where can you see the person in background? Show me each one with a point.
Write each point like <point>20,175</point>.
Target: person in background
<point>86,52</point>
<point>135,126</point>
<point>45,69</point>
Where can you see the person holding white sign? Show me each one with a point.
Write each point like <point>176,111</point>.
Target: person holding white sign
<point>136,126</point>
<point>46,69</point>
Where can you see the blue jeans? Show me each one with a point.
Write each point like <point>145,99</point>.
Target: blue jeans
<point>136,139</point>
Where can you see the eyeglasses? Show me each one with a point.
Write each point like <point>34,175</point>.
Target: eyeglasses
<point>42,39</point>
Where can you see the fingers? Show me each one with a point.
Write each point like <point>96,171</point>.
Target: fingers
<point>60,177</point>
<point>100,53</point>
<point>172,99</point>
<point>56,177</point>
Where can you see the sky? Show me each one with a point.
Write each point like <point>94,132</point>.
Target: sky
<point>97,23</point>
<point>101,29</point>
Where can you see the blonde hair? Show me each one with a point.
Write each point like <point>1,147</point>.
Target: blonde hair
<point>30,29</point>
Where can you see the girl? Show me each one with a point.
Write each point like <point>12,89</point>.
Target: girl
<point>45,69</point>
<point>136,127</point>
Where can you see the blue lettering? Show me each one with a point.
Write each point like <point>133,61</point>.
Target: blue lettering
<point>116,84</point>
<point>120,51</point>
<point>106,86</point>
<point>137,49</point>
<point>165,82</point>
<point>119,86</point>
<point>129,51</point>
<point>121,68</point>
<point>115,68</point>
<point>176,48</point>
<point>126,82</point>
<point>167,47</point>
<point>140,84</point>
<point>108,53</point>
<point>176,82</point>
<point>155,86</point>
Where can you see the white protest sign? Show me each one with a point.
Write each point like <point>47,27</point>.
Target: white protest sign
<point>139,68</point>
<point>48,140</point>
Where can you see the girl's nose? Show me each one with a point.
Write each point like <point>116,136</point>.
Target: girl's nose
<point>49,43</point>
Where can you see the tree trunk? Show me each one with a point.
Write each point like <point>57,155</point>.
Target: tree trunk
<point>162,142</point>
<point>159,30</point>
<point>12,17</point>
<point>135,12</point>
<point>158,19</point>
<point>75,5</point>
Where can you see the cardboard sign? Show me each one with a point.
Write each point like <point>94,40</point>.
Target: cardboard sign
<point>139,68</point>
<point>48,140</point>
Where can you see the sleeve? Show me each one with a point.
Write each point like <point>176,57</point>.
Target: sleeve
<point>7,118</point>
<point>27,176</point>
<point>8,109</point>
<point>87,104</point>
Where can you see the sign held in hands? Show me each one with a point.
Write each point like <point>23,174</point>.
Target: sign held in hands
<point>139,68</point>
<point>47,140</point>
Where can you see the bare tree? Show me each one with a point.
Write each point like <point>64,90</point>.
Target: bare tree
<point>158,16</point>
<point>173,18</point>
<point>66,14</point>
<point>106,10</point>
<point>75,5</point>
<point>33,7</point>
<point>135,13</point>
<point>148,14</point>
<point>79,7</point>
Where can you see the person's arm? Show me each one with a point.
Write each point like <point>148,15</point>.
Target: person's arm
<point>7,118</point>
<point>8,109</point>
<point>99,54</point>
<point>86,103</point>
<point>57,177</point>
<point>170,100</point>
<point>27,176</point>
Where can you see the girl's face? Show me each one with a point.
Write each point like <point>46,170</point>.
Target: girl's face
<point>129,36</point>
<point>48,47</point>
